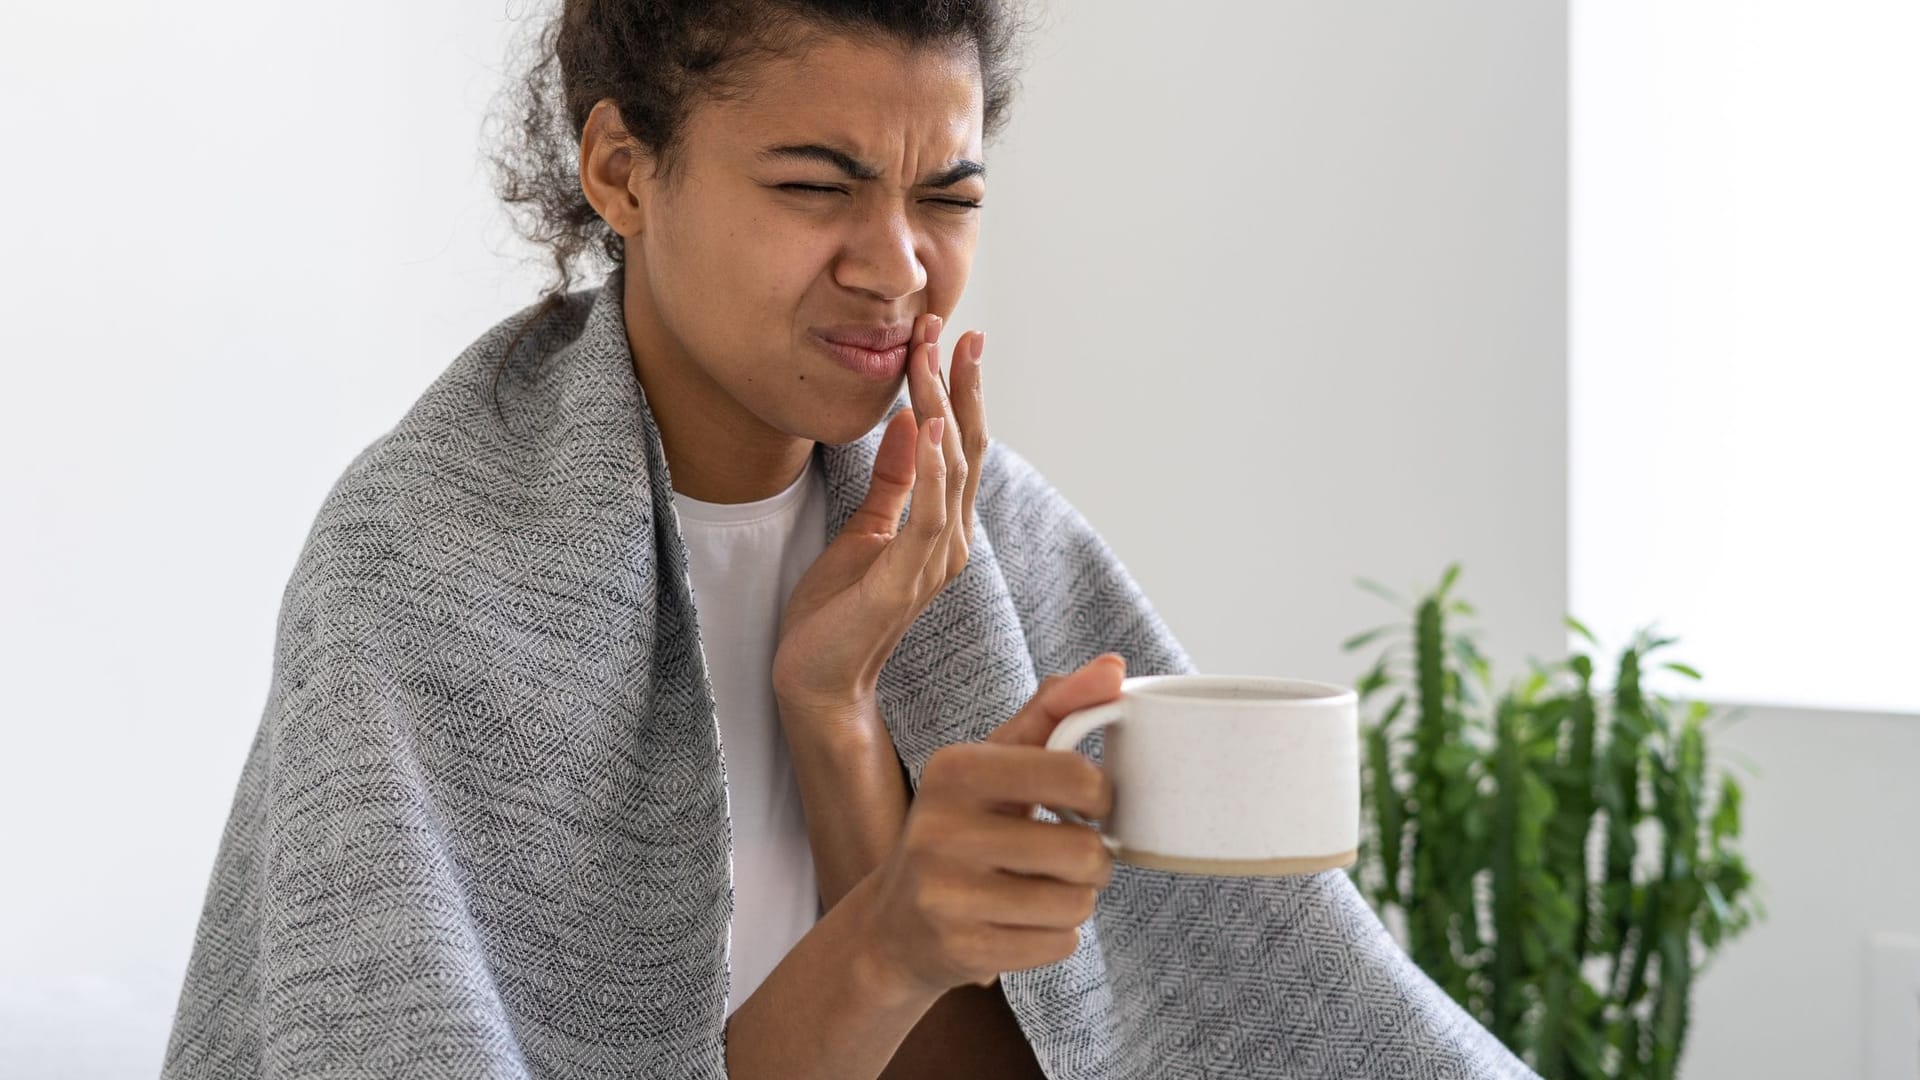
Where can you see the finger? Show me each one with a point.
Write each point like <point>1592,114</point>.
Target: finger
<point>1097,681</point>
<point>928,390</point>
<point>940,403</point>
<point>893,464</point>
<point>923,386</point>
<point>1018,948</point>
<point>1004,779</point>
<point>893,473</point>
<point>970,412</point>
<point>897,572</point>
<point>959,476</point>
<point>922,324</point>
<point>1005,900</point>
<point>939,394</point>
<point>1021,845</point>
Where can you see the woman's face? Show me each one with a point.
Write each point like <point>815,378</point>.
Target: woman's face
<point>837,194</point>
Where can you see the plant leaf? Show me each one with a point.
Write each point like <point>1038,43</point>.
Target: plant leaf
<point>1580,628</point>
<point>1381,591</point>
<point>1649,640</point>
<point>1375,679</point>
<point>1358,640</point>
<point>1684,670</point>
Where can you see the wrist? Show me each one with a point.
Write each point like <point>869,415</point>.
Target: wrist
<point>881,978</point>
<point>852,712</point>
<point>855,790</point>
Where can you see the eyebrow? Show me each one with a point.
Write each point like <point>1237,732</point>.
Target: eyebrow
<point>855,169</point>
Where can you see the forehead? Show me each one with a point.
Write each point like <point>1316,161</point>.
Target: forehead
<point>871,94</point>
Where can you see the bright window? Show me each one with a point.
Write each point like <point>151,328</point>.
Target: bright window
<point>1745,322</point>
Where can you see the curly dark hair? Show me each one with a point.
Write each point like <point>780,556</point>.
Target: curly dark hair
<point>656,59</point>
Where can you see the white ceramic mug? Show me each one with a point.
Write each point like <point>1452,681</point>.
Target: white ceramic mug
<point>1227,774</point>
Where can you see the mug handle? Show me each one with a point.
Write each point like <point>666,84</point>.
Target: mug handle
<point>1067,735</point>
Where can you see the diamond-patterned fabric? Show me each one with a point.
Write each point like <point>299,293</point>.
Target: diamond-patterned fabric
<point>481,831</point>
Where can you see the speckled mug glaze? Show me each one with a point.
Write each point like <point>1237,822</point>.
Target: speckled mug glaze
<point>1228,774</point>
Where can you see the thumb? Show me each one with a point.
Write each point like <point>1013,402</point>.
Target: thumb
<point>892,481</point>
<point>1095,682</point>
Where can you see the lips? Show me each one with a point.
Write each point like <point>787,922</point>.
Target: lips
<point>876,351</point>
<point>869,336</point>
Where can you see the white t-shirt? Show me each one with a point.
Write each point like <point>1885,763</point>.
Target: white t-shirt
<point>744,559</point>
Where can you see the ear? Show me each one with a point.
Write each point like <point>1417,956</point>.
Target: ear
<point>614,169</point>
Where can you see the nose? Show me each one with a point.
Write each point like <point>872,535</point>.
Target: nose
<point>880,257</point>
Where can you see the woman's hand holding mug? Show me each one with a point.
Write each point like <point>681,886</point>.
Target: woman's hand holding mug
<point>975,886</point>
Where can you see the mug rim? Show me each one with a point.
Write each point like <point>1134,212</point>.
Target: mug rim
<point>1324,693</point>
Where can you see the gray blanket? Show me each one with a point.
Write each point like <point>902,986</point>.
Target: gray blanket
<point>482,829</point>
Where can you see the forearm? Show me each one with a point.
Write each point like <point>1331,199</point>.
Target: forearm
<point>855,795</point>
<point>853,790</point>
<point>824,1011</point>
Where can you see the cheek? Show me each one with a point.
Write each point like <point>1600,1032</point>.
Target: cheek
<point>948,257</point>
<point>779,265</point>
<point>731,289</point>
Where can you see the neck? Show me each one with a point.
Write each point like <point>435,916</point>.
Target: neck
<point>716,450</point>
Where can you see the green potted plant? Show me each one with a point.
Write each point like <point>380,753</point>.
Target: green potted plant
<point>1552,854</point>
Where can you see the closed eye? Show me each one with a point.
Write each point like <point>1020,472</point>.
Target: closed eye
<point>822,189</point>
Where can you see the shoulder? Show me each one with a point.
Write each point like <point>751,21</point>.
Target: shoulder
<point>1024,515</point>
<point>1075,597</point>
<point>1011,485</point>
<point>358,540</point>
<point>404,502</point>
<point>453,461</point>
<point>382,502</point>
<point>1015,502</point>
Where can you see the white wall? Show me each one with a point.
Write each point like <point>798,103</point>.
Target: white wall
<point>1279,300</point>
<point>1274,293</point>
<point>241,239</point>
<point>1739,220</point>
<point>1831,829</point>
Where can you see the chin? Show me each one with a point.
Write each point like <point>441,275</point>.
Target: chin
<point>848,423</point>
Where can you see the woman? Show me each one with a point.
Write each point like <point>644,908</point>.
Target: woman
<point>521,807</point>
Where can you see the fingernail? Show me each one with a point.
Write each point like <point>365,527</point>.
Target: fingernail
<point>934,326</point>
<point>933,361</point>
<point>937,428</point>
<point>979,345</point>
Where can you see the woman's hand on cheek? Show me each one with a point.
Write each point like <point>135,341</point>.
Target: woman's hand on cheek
<point>858,598</point>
